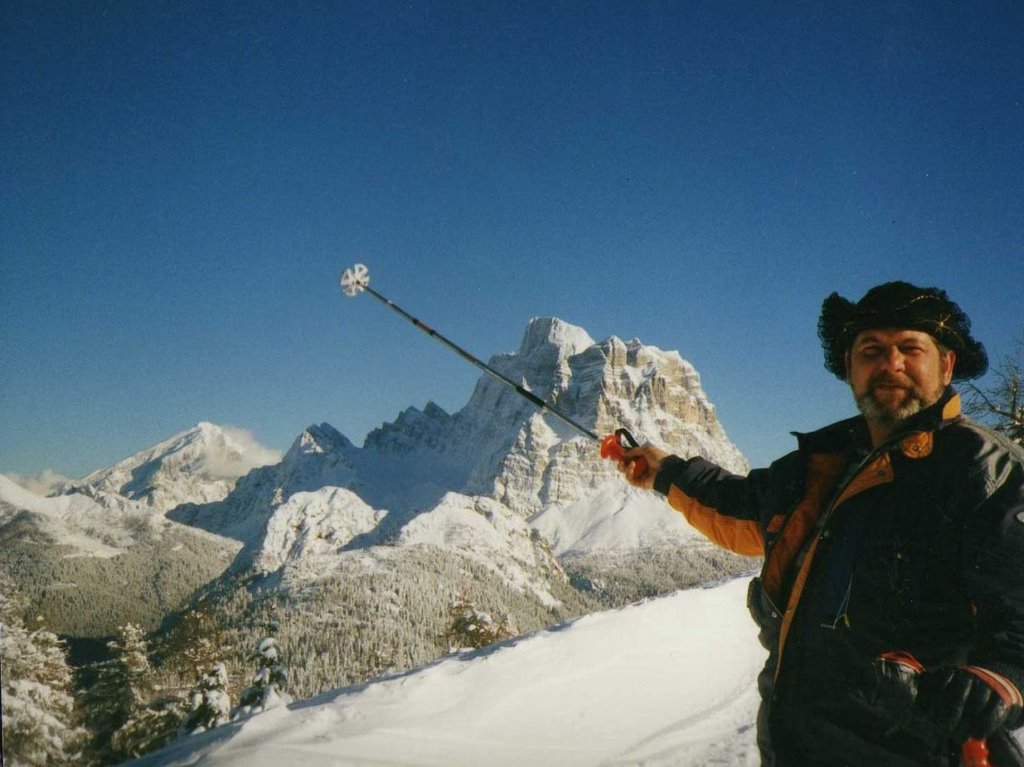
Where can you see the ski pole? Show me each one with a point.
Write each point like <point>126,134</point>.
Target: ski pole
<point>356,280</point>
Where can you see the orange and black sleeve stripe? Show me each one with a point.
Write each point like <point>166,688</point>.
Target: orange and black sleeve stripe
<point>714,501</point>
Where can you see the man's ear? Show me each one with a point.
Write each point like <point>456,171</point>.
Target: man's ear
<point>948,365</point>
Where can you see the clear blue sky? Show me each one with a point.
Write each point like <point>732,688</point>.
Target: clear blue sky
<point>181,184</point>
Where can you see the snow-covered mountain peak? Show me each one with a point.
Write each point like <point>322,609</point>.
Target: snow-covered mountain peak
<point>310,530</point>
<point>320,457</point>
<point>545,335</point>
<point>200,464</point>
<point>500,445</point>
<point>317,439</point>
<point>413,429</point>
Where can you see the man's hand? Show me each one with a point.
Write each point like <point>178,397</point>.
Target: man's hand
<point>653,455</point>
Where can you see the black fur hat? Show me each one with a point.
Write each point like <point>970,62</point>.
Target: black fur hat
<point>900,305</point>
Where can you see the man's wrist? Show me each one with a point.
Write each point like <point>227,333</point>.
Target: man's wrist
<point>663,479</point>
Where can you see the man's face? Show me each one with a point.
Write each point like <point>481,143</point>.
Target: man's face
<point>896,373</point>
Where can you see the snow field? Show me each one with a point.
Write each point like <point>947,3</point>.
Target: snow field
<point>670,682</point>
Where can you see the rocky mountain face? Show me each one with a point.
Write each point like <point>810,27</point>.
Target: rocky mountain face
<point>500,446</point>
<point>603,386</point>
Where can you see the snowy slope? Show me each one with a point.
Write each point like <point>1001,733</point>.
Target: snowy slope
<point>615,517</point>
<point>85,527</point>
<point>88,565</point>
<point>636,686</point>
<point>307,538</point>
<point>490,534</point>
<point>312,527</point>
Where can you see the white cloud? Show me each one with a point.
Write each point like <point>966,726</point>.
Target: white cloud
<point>43,483</point>
<point>244,455</point>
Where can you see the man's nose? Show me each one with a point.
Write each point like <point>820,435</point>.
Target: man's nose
<point>894,360</point>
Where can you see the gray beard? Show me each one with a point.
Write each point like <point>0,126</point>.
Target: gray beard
<point>875,413</point>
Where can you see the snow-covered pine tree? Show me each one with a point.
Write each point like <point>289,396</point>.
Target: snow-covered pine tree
<point>41,722</point>
<point>209,703</point>
<point>118,705</point>
<point>470,628</point>
<point>267,688</point>
<point>195,643</point>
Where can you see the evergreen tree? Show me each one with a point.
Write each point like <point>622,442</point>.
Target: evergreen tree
<point>41,722</point>
<point>268,683</point>
<point>209,703</point>
<point>118,703</point>
<point>470,628</point>
<point>196,643</point>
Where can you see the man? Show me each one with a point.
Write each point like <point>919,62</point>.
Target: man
<point>891,599</point>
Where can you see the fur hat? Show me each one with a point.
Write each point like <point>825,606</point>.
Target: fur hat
<point>905,306</point>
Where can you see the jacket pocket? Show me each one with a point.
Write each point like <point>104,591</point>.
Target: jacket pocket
<point>765,614</point>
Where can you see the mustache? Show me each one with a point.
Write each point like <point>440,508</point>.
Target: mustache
<point>887,379</point>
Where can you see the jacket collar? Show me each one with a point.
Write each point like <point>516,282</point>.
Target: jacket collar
<point>934,416</point>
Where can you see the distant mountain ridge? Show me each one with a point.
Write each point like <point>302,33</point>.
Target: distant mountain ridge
<point>498,446</point>
<point>498,486</point>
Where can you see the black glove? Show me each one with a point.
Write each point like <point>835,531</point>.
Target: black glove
<point>890,720</point>
<point>968,701</point>
<point>895,684</point>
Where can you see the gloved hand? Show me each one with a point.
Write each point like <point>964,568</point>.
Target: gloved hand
<point>968,701</point>
<point>896,678</point>
<point>893,692</point>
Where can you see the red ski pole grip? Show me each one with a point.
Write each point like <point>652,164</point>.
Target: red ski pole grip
<point>611,448</point>
<point>975,753</point>
<point>614,445</point>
